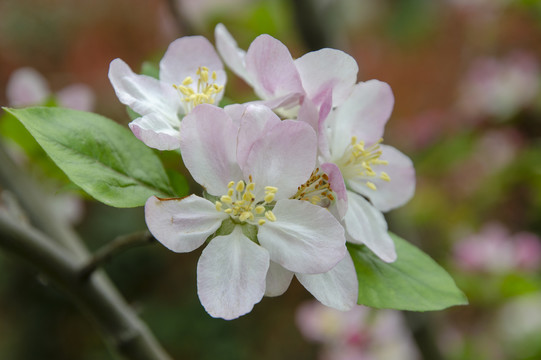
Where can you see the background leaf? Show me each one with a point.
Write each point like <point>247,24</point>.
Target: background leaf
<point>413,282</point>
<point>100,156</point>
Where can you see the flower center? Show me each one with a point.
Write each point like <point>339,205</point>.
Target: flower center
<point>204,92</point>
<point>241,204</point>
<point>358,161</point>
<point>316,189</point>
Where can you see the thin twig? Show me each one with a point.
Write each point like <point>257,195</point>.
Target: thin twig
<point>54,249</point>
<point>116,246</point>
<point>125,331</point>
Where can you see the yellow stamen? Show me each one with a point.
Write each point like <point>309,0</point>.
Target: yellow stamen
<point>270,215</point>
<point>269,197</point>
<point>371,185</point>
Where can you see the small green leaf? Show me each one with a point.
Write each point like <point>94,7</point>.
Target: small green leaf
<point>413,282</point>
<point>97,154</point>
<point>178,182</point>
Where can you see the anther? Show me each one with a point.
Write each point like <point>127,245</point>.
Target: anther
<point>270,215</point>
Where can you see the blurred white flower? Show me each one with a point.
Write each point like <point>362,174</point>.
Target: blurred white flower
<point>359,334</point>
<point>26,87</point>
<point>499,88</point>
<point>495,250</point>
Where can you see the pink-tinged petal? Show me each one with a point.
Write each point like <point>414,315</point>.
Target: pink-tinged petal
<point>77,96</point>
<point>278,280</point>
<point>185,55</point>
<point>255,122</point>
<point>182,225</point>
<point>231,275</point>
<point>26,86</point>
<point>155,132</point>
<point>272,69</point>
<point>337,288</point>
<point>305,238</point>
<point>389,194</point>
<point>316,117</point>
<point>336,181</point>
<point>144,94</point>
<point>366,225</point>
<point>284,157</point>
<point>327,69</point>
<point>235,112</point>
<point>232,55</point>
<point>208,142</point>
<point>309,113</point>
<point>287,102</point>
<point>364,114</point>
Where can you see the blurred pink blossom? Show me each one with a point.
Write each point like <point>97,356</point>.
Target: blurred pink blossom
<point>359,334</point>
<point>499,88</point>
<point>492,153</point>
<point>495,250</point>
<point>27,87</point>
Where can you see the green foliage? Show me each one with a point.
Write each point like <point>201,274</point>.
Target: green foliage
<point>100,156</point>
<point>178,182</point>
<point>150,69</point>
<point>413,282</point>
<point>12,129</point>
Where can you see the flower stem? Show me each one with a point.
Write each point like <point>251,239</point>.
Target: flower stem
<point>116,246</point>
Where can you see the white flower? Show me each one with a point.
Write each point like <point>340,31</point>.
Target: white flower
<point>367,176</point>
<point>191,73</point>
<point>283,82</point>
<point>252,167</point>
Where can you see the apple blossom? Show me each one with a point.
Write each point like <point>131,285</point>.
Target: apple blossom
<point>283,82</point>
<point>250,168</point>
<point>26,86</point>
<point>361,333</point>
<point>375,177</point>
<point>191,73</point>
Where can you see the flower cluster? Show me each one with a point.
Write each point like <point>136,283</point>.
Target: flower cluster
<point>288,180</point>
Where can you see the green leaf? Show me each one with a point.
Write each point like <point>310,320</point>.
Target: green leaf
<point>178,182</point>
<point>413,282</point>
<point>97,154</point>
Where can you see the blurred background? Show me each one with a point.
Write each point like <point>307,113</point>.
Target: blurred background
<point>466,78</point>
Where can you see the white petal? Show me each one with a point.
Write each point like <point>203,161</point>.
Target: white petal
<point>182,225</point>
<point>278,280</point>
<point>366,225</point>
<point>156,132</point>
<point>231,275</point>
<point>272,69</point>
<point>144,94</point>
<point>324,69</point>
<point>185,55</point>
<point>305,238</point>
<point>364,114</point>
<point>389,194</point>
<point>256,120</point>
<point>338,288</point>
<point>232,55</point>
<point>208,142</point>
<point>284,157</point>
